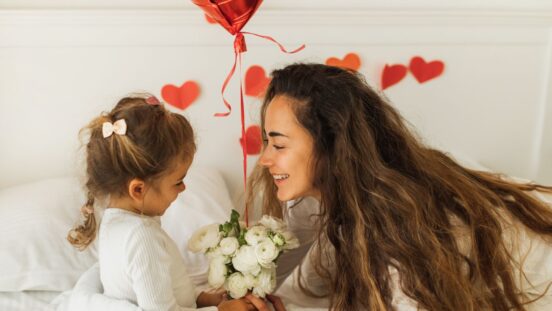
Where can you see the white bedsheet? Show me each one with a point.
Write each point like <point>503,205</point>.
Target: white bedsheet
<point>33,300</point>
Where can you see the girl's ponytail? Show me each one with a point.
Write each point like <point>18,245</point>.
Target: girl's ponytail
<point>81,236</point>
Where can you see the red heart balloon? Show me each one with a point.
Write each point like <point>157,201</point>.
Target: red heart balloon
<point>256,81</point>
<point>209,19</point>
<point>392,75</point>
<point>254,140</point>
<point>230,14</point>
<point>350,61</point>
<point>180,97</point>
<point>424,71</point>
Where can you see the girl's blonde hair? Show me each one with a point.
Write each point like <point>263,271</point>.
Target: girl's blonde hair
<point>155,138</point>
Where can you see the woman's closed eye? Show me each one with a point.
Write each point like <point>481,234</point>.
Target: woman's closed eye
<point>277,147</point>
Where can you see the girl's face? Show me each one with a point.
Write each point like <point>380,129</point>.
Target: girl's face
<point>289,151</point>
<point>159,197</point>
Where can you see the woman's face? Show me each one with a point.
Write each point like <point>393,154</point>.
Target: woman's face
<point>289,151</point>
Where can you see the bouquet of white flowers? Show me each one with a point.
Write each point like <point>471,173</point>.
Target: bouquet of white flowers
<point>243,259</point>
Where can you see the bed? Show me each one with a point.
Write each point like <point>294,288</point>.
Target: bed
<point>38,266</point>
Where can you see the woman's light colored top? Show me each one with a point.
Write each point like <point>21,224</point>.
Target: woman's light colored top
<point>530,250</point>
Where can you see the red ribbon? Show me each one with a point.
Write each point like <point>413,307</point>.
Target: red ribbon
<point>240,47</point>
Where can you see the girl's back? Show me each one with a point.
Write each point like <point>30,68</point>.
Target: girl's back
<point>134,251</point>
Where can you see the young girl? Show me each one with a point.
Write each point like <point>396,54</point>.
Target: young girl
<point>136,158</point>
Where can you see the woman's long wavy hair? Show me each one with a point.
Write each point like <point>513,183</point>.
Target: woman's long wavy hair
<point>387,200</point>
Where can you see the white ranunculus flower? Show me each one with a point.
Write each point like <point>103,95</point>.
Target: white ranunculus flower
<point>291,241</point>
<point>204,238</point>
<point>237,285</point>
<point>217,272</point>
<point>245,260</point>
<point>278,239</point>
<point>266,252</point>
<point>272,223</point>
<point>255,235</point>
<point>265,282</point>
<point>229,245</point>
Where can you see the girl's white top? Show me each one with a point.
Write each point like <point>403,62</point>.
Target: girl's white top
<point>140,263</point>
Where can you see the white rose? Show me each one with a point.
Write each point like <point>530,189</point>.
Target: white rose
<point>272,223</point>
<point>255,235</point>
<point>237,285</point>
<point>245,260</point>
<point>265,282</point>
<point>291,241</point>
<point>266,252</point>
<point>229,245</point>
<point>204,238</point>
<point>217,272</point>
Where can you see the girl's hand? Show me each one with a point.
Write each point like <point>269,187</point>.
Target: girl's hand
<point>261,305</point>
<point>236,305</point>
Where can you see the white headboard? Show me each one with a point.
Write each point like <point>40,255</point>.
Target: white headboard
<point>62,64</point>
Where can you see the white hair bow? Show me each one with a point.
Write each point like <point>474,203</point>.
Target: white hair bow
<point>118,127</point>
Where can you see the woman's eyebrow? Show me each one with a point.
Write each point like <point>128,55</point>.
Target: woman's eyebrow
<point>276,134</point>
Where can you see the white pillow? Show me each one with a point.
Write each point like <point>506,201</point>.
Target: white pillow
<point>35,219</point>
<point>206,200</point>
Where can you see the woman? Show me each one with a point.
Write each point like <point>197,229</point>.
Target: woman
<point>399,225</point>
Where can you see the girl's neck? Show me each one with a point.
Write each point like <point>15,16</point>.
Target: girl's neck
<point>125,204</point>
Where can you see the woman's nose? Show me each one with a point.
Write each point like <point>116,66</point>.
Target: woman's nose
<point>265,160</point>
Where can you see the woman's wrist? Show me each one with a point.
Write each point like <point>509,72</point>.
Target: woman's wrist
<point>209,299</point>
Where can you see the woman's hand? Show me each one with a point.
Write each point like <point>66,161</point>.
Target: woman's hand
<point>236,305</point>
<point>206,299</point>
<point>261,305</point>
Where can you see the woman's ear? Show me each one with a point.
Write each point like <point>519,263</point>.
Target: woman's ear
<point>137,189</point>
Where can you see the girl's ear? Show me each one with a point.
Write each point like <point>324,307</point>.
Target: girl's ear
<point>137,189</point>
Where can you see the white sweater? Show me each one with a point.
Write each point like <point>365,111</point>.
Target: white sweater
<point>140,263</point>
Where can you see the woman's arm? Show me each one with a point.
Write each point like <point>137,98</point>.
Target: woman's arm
<point>301,220</point>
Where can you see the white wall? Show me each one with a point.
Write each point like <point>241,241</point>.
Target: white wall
<point>62,62</point>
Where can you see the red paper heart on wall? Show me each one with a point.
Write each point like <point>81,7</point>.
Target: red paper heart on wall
<point>180,97</point>
<point>254,140</point>
<point>230,14</point>
<point>350,61</point>
<point>392,75</point>
<point>424,71</point>
<point>256,81</point>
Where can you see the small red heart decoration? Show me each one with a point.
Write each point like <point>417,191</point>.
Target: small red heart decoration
<point>254,140</point>
<point>424,71</point>
<point>392,75</point>
<point>350,61</point>
<point>256,81</point>
<point>180,97</point>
